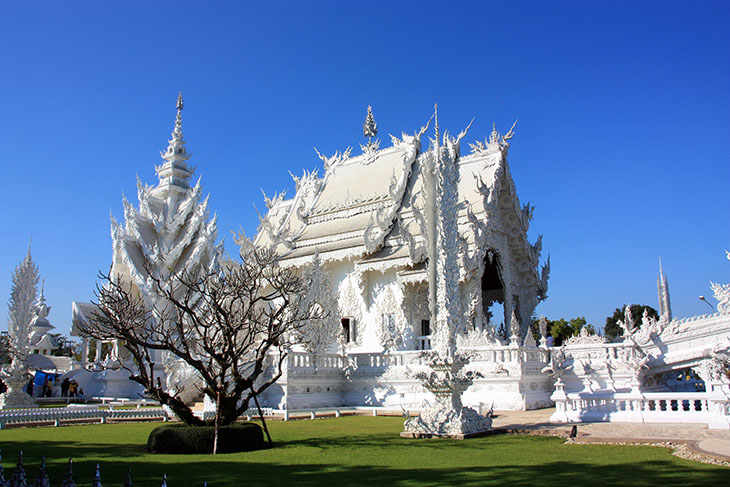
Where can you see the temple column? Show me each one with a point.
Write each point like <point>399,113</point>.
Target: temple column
<point>84,351</point>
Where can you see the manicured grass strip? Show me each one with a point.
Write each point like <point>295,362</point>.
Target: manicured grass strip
<point>352,451</point>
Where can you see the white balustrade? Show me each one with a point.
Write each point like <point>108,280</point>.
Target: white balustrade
<point>57,415</point>
<point>712,408</point>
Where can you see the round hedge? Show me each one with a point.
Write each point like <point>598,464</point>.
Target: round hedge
<point>177,438</point>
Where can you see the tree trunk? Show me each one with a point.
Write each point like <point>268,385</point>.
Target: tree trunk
<point>215,427</point>
<point>261,415</point>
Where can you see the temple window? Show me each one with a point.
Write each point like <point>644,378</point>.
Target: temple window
<point>425,327</point>
<point>348,329</point>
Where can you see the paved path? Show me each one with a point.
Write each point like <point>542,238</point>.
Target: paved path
<point>697,437</point>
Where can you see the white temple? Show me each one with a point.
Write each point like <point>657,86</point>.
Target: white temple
<point>366,219</point>
<point>417,247</point>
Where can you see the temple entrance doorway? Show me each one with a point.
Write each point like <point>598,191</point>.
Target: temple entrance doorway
<point>492,293</point>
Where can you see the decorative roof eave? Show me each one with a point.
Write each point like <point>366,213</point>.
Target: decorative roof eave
<point>280,235</point>
<point>325,256</point>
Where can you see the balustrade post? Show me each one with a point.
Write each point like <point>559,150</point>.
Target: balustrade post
<point>561,403</point>
<point>718,402</point>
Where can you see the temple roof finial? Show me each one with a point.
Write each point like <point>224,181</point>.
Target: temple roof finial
<point>176,151</point>
<point>370,127</point>
<point>175,171</point>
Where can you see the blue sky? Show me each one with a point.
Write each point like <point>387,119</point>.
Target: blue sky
<point>622,143</point>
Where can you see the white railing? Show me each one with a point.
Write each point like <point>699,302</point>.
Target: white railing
<point>712,408</point>
<point>83,413</point>
<point>251,413</point>
<point>304,360</point>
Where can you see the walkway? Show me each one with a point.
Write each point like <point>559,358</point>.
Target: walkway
<point>697,438</point>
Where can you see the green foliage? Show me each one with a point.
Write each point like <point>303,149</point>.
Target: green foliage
<point>613,330</point>
<point>66,346</point>
<point>179,438</point>
<point>563,329</point>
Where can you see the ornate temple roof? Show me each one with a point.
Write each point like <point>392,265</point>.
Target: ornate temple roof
<point>367,207</point>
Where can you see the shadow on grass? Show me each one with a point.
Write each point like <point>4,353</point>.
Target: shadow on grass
<point>565,473</point>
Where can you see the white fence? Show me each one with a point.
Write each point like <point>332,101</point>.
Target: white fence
<point>57,415</point>
<point>712,408</point>
<point>71,414</point>
<point>19,477</point>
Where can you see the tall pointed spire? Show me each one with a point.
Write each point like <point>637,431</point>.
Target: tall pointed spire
<point>665,306</point>
<point>175,174</point>
<point>28,258</point>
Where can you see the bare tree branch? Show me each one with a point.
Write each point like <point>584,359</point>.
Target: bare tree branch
<point>222,324</point>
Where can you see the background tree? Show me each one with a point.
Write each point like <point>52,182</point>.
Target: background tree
<point>225,325</point>
<point>613,330</point>
<point>563,329</point>
<point>66,346</point>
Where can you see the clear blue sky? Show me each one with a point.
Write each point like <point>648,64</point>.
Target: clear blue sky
<point>623,140</point>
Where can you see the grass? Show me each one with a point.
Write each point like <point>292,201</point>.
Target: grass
<point>351,451</point>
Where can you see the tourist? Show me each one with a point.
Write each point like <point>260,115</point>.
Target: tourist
<point>64,387</point>
<point>29,387</point>
<point>47,388</point>
<point>73,389</point>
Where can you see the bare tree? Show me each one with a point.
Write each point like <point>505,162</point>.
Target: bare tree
<point>228,326</point>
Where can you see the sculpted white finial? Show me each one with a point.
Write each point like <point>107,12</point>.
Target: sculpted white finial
<point>370,127</point>
<point>175,173</point>
<point>176,151</point>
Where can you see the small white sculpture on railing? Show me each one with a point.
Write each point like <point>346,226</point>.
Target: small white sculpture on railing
<point>559,364</point>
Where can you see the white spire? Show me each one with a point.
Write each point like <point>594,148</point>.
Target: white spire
<point>175,173</point>
<point>665,306</point>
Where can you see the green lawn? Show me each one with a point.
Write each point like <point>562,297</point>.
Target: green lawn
<point>351,451</point>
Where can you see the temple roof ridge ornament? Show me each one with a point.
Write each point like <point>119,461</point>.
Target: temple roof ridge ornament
<point>496,142</point>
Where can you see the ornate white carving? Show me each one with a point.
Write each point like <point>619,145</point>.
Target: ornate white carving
<point>392,330</point>
<point>336,158</point>
<point>585,338</point>
<point>319,336</point>
<point>171,231</point>
<point>495,143</point>
<point>559,364</point>
<point>722,294</point>
<point>476,338</point>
